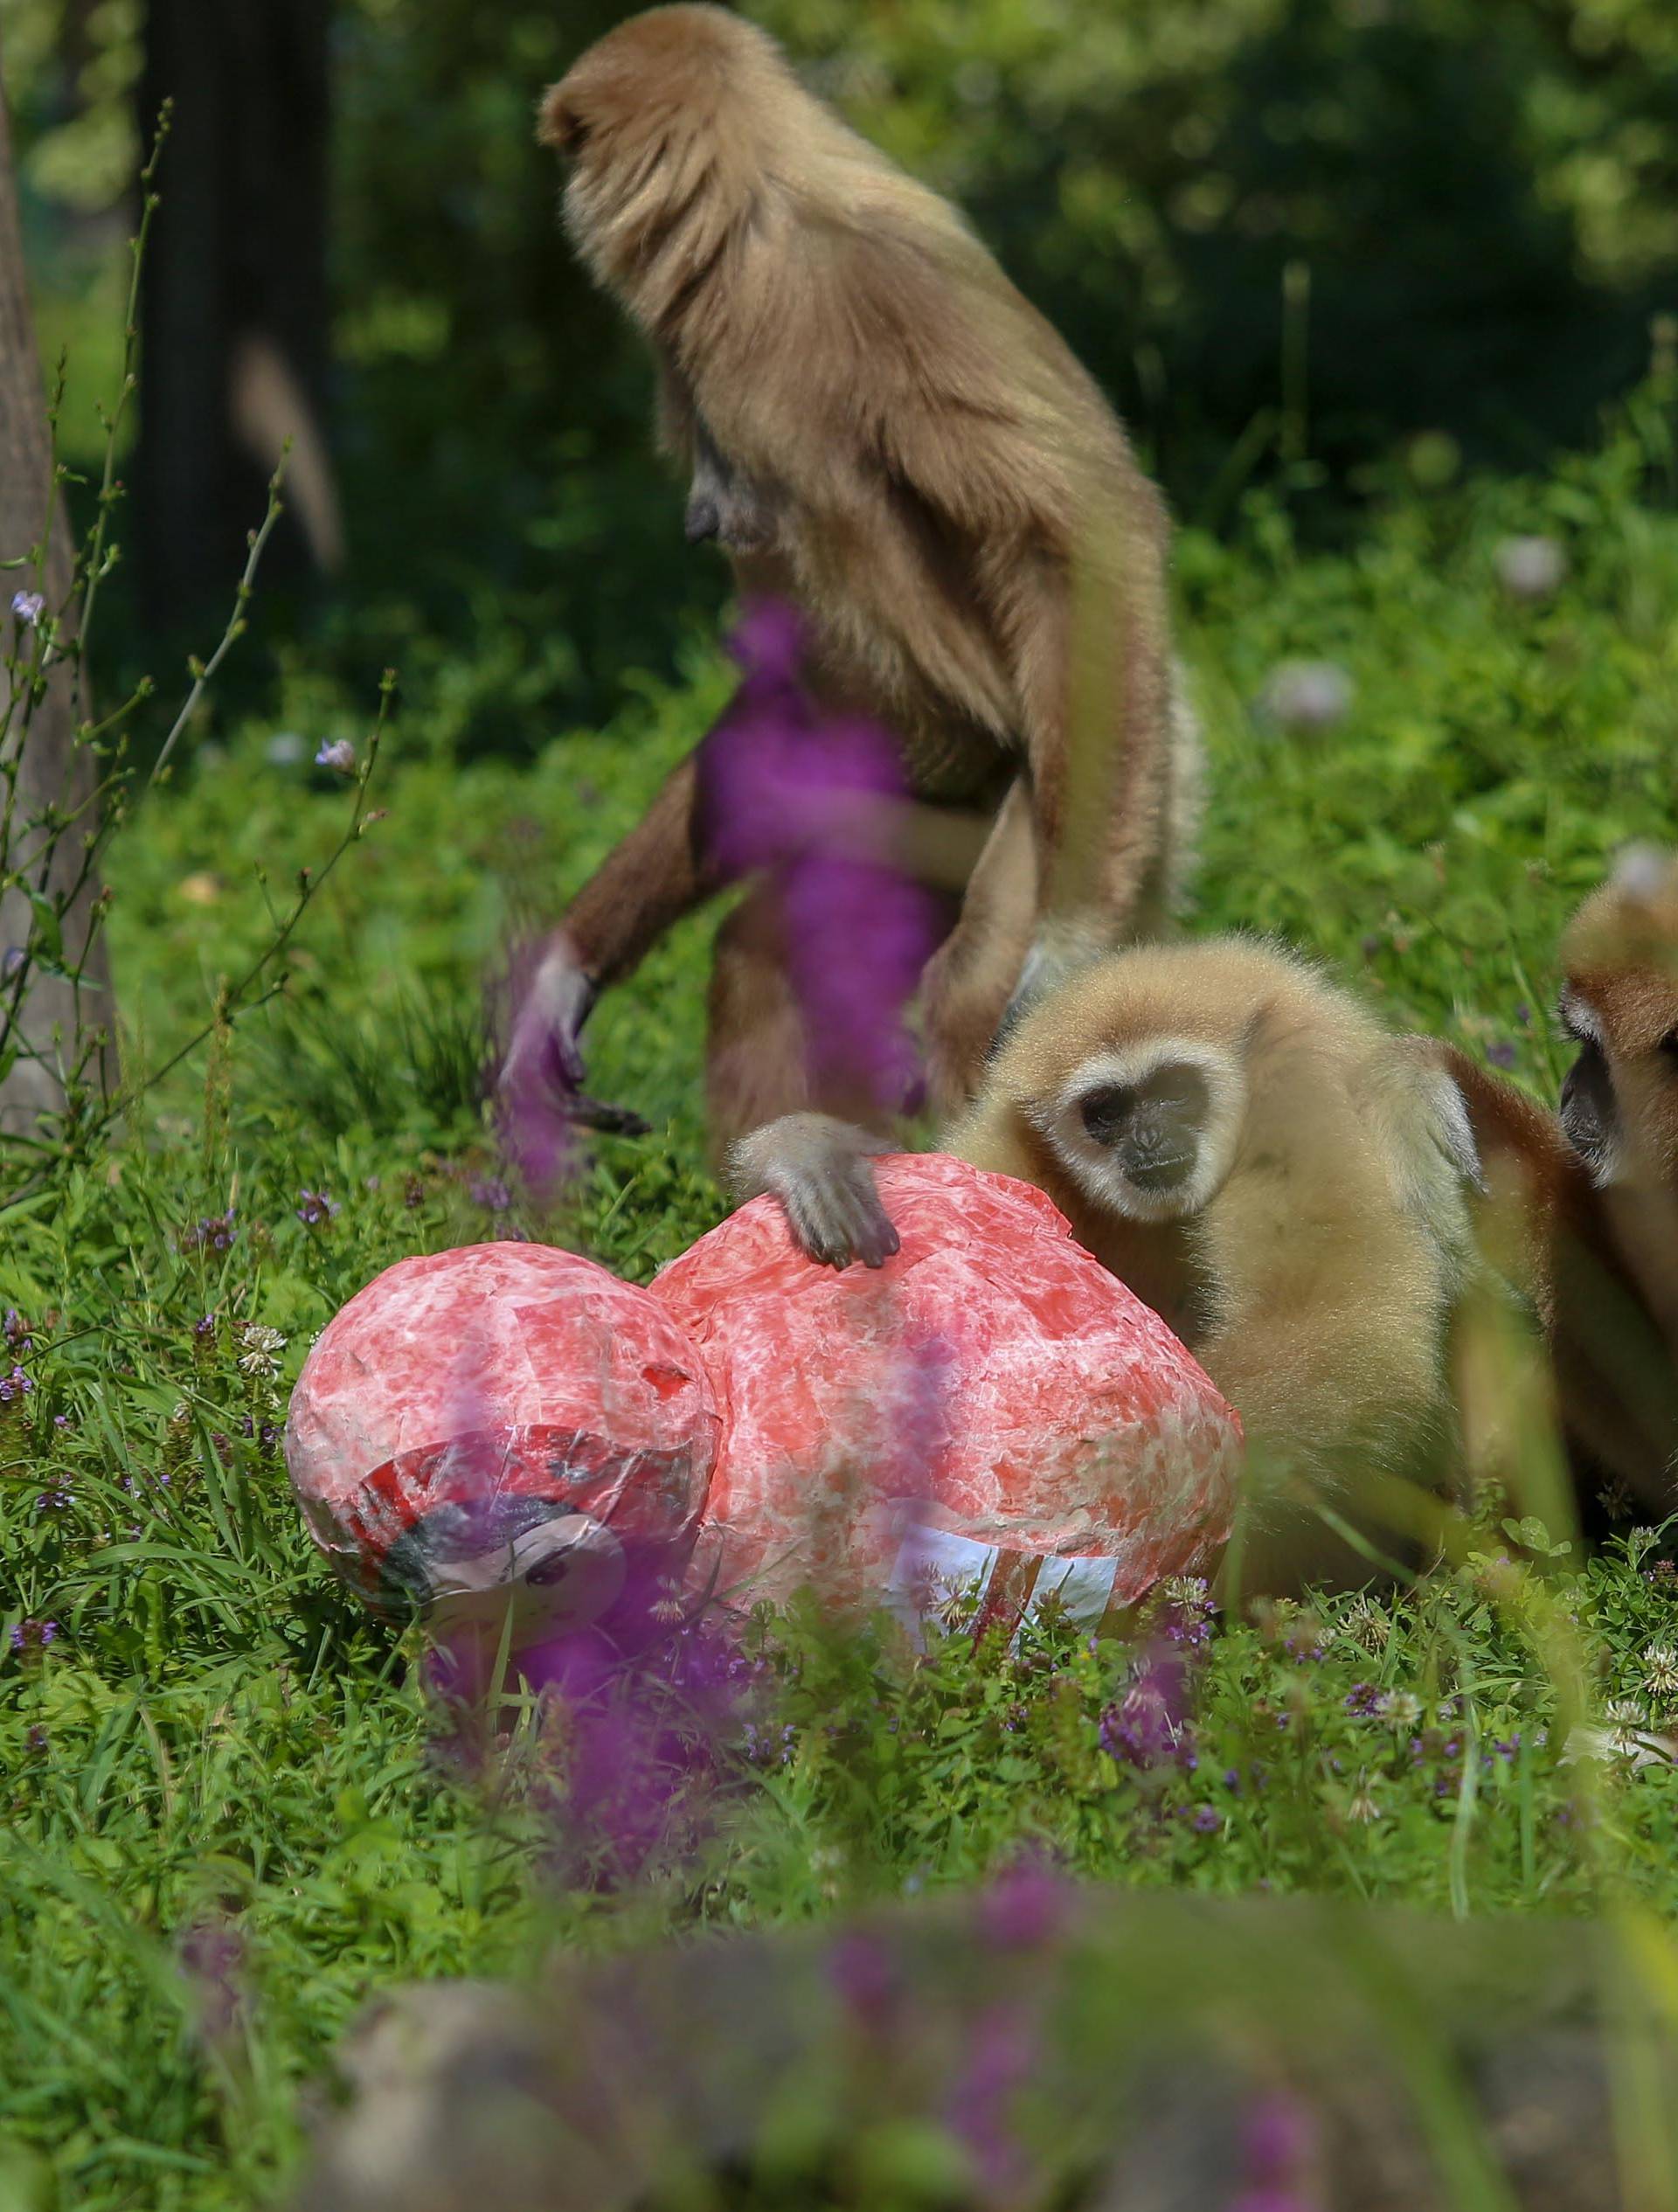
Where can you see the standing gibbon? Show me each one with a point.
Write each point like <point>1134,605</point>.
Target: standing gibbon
<point>1594,1193</point>
<point>877,427</point>
<point>1279,1176</point>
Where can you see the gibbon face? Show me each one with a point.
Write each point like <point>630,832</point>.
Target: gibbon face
<point>1619,1005</point>
<point>1148,1131</point>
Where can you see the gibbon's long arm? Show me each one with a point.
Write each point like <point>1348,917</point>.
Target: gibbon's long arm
<point>645,884</point>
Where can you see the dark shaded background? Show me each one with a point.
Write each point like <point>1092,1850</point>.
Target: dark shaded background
<point>1344,243</point>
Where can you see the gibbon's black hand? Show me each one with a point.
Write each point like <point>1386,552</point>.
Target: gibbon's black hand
<point>818,1168</point>
<point>544,1057</point>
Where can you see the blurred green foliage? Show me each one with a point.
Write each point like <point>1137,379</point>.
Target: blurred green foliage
<point>1284,234</point>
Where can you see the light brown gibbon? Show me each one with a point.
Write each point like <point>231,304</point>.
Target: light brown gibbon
<point>877,427</point>
<point>1282,1179</point>
<point>1594,1193</point>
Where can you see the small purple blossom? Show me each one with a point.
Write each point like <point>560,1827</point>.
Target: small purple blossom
<point>865,1976</point>
<point>12,962</point>
<point>1207,1820</point>
<point>15,1387</point>
<point>491,1194</point>
<point>34,1635</point>
<point>1025,1907</point>
<point>339,754</point>
<point>1503,1054</point>
<point>1364,1698</point>
<point>1280,2155</point>
<point>315,1208</point>
<point>16,1332</point>
<point>58,1501</point>
<point>216,1232</point>
<point>28,606</point>
<point>1149,1725</point>
<point>35,1739</point>
<point>1004,2054</point>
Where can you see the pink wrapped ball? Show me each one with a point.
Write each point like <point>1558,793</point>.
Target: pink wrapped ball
<point>989,1410</point>
<point>505,1427</point>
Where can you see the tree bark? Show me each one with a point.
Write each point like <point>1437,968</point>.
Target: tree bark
<point>54,771</point>
<point>235,310</point>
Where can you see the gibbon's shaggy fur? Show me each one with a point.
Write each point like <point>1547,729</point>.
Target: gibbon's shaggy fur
<point>1593,1194</point>
<point>878,428</point>
<point>1277,1175</point>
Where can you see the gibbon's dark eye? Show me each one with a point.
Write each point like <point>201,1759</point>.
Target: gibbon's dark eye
<point>1107,1111</point>
<point>1667,1048</point>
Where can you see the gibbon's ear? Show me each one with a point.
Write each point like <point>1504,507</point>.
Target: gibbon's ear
<point>560,125</point>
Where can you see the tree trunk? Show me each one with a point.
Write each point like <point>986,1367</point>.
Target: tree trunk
<point>54,771</point>
<point>235,313</point>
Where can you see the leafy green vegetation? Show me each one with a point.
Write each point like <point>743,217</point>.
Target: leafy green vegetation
<point>234,1806</point>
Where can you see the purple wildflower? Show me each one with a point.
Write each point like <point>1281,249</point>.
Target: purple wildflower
<point>28,606</point>
<point>339,754</point>
<point>1503,1054</point>
<point>16,1332</point>
<point>34,1635</point>
<point>865,1976</point>
<point>491,1194</point>
<point>1002,2056</point>
<point>1025,1907</point>
<point>15,1387</point>
<point>58,1501</point>
<point>35,1739</point>
<point>212,1961</point>
<point>216,1232</point>
<point>1279,2154</point>
<point>1149,1725</point>
<point>801,799</point>
<point>315,1208</point>
<point>1364,1698</point>
<point>1207,1820</point>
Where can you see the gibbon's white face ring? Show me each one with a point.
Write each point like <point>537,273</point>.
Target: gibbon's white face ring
<point>564,1571</point>
<point>1098,1168</point>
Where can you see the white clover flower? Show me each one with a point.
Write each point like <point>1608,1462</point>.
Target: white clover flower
<point>1661,1671</point>
<point>1306,695</point>
<point>1362,1807</point>
<point>1530,568</point>
<point>261,1344</point>
<point>1401,1710</point>
<point>1365,1623</point>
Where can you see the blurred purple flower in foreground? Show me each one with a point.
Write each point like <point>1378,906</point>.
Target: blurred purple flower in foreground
<point>797,795</point>
<point>28,606</point>
<point>1280,2156</point>
<point>339,754</point>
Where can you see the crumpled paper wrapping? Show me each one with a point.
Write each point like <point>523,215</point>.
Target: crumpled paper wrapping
<point>502,1413</point>
<point>991,1411</point>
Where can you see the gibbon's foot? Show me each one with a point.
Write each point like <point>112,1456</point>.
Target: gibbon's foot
<point>818,1168</point>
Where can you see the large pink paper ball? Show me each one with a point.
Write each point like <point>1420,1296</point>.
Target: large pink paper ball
<point>991,1411</point>
<point>502,1426</point>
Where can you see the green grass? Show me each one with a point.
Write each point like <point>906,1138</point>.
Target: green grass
<point>219,1755</point>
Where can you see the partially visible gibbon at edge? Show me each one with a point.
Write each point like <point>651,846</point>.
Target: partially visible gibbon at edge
<point>1592,1196</point>
<point>1282,1179</point>
<point>877,426</point>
